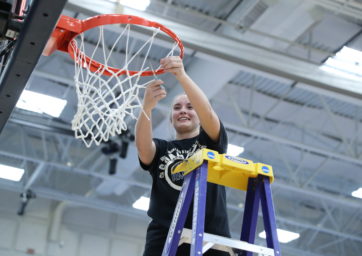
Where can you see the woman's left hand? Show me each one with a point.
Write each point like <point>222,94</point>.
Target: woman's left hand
<point>173,65</point>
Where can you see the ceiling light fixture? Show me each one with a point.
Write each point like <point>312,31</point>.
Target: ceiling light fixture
<point>284,236</point>
<point>11,173</point>
<point>357,193</point>
<point>234,150</point>
<point>347,62</point>
<point>139,4</point>
<point>41,103</point>
<point>142,203</point>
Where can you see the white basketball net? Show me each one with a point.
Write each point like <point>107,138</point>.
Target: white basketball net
<point>105,102</point>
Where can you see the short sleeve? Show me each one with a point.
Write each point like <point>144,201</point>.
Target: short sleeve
<point>160,147</point>
<point>220,145</point>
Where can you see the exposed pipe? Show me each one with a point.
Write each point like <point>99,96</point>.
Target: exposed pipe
<point>54,234</point>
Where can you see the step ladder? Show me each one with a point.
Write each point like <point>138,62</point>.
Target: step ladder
<point>209,166</point>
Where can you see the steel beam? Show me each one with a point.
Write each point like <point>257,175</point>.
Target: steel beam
<point>37,27</point>
<point>330,198</point>
<point>239,52</point>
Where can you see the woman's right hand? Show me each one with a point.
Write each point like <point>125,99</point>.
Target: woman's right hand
<point>146,147</point>
<point>153,94</point>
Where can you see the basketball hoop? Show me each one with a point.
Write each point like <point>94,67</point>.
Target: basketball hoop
<point>108,74</point>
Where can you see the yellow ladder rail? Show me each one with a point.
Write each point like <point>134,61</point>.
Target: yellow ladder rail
<point>224,169</point>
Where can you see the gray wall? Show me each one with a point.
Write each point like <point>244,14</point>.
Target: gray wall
<point>53,229</point>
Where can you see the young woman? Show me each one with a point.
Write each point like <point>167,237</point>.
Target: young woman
<point>197,126</point>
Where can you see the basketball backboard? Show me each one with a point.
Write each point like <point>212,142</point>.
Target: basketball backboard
<point>31,23</point>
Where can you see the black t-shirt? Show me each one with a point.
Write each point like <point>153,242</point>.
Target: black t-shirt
<point>166,186</point>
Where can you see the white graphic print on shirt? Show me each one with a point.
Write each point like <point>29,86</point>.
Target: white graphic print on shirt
<point>169,162</point>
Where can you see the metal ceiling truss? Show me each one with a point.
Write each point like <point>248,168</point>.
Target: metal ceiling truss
<point>48,151</point>
<point>230,49</point>
<point>350,148</point>
<point>248,113</point>
<point>62,143</point>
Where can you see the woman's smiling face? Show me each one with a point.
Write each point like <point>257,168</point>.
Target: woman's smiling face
<point>184,118</point>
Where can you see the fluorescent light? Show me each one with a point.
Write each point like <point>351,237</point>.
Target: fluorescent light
<point>341,73</point>
<point>346,66</point>
<point>142,203</point>
<point>11,173</point>
<point>139,4</point>
<point>357,193</point>
<point>349,54</point>
<point>41,103</point>
<point>284,236</point>
<point>347,61</point>
<point>234,150</point>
